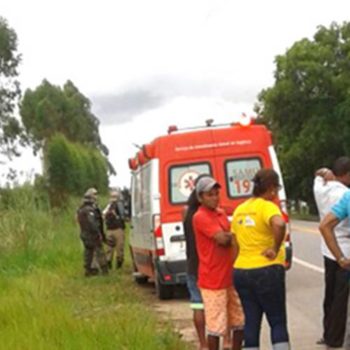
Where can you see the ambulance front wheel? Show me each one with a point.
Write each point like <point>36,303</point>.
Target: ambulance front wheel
<point>164,292</point>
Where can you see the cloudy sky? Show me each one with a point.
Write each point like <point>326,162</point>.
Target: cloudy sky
<point>149,64</point>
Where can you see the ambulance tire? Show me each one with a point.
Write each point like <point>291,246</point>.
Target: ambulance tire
<point>163,291</point>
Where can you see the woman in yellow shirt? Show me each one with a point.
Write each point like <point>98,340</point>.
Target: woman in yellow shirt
<point>259,274</point>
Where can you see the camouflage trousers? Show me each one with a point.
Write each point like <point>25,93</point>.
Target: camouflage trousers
<point>115,243</point>
<point>93,249</point>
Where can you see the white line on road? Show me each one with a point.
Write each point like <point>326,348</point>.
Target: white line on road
<point>308,265</point>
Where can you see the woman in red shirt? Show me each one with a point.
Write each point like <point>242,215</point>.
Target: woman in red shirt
<point>217,248</point>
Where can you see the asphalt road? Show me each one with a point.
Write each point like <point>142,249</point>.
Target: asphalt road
<point>305,287</point>
<point>304,294</point>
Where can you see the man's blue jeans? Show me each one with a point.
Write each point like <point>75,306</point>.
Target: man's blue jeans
<point>262,291</point>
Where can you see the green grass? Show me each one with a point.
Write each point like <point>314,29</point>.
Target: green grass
<point>46,303</point>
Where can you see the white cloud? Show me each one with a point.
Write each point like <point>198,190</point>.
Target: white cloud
<point>207,58</point>
<point>181,111</point>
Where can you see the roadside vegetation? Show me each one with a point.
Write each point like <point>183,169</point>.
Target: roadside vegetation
<point>308,107</point>
<point>46,303</point>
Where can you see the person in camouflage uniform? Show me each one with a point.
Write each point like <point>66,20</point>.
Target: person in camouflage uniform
<point>91,233</point>
<point>114,219</point>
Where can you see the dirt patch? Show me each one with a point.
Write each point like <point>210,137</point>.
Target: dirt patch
<point>180,314</point>
<point>177,310</point>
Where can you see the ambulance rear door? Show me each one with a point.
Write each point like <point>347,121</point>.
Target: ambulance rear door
<point>181,183</point>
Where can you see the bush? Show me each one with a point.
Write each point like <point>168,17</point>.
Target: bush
<point>73,168</point>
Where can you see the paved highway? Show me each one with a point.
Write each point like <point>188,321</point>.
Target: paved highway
<point>305,287</point>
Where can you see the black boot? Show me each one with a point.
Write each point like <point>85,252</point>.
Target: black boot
<point>88,273</point>
<point>104,270</point>
<point>94,271</point>
<point>119,263</point>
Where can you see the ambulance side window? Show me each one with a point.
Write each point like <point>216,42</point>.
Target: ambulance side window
<point>146,188</point>
<point>239,173</point>
<point>137,193</point>
<point>181,180</point>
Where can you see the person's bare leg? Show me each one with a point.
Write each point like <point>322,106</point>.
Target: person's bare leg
<point>237,339</point>
<point>199,323</point>
<point>213,342</point>
<point>227,340</point>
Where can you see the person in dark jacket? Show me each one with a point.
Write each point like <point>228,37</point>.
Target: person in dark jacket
<point>91,233</point>
<point>115,224</point>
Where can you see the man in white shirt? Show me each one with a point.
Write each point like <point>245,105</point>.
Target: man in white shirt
<point>329,187</point>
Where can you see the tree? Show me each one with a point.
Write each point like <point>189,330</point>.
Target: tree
<point>308,107</point>
<point>49,110</point>
<point>9,88</point>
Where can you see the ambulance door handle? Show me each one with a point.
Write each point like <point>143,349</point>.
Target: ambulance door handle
<point>177,228</point>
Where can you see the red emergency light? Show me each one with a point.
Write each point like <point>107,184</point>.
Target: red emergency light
<point>172,128</point>
<point>141,157</point>
<point>148,150</point>
<point>132,163</point>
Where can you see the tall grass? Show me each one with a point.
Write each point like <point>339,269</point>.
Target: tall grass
<point>46,303</point>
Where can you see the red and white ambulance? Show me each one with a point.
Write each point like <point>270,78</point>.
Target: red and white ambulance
<point>163,174</point>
